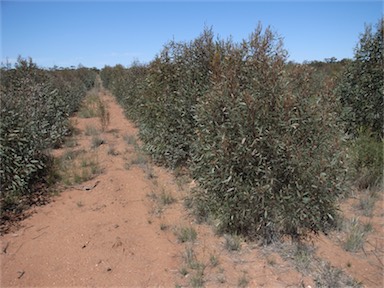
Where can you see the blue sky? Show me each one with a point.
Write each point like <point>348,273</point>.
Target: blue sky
<point>98,33</point>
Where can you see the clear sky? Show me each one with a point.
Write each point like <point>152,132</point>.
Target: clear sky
<point>98,33</point>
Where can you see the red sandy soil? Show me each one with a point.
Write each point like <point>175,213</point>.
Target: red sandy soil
<point>117,234</point>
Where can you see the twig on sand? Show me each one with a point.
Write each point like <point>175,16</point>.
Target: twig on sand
<point>5,248</point>
<point>39,235</point>
<point>21,274</point>
<point>85,188</point>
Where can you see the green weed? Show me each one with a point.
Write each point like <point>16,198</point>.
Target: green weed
<point>89,107</point>
<point>112,151</point>
<point>166,198</point>
<point>103,114</point>
<point>91,130</point>
<point>183,271</point>
<point>303,257</point>
<point>329,276</point>
<point>185,234</point>
<point>232,242</point>
<point>140,159</point>
<point>96,142</point>
<point>243,281</point>
<point>367,161</point>
<point>75,167</point>
<point>214,260</point>
<point>197,277</point>
<point>130,140</point>
<point>163,227</point>
<point>356,234</point>
<point>367,200</point>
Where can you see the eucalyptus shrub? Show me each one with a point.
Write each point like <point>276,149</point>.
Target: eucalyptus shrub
<point>71,85</point>
<point>127,86</point>
<point>85,75</point>
<point>175,81</point>
<point>161,97</point>
<point>361,92</point>
<point>106,75</point>
<point>361,89</point>
<point>267,150</point>
<point>35,105</point>
<point>262,140</point>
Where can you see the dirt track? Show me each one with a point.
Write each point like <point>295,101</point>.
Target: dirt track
<point>117,234</point>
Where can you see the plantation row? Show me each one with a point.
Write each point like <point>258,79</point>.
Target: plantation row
<point>35,106</point>
<point>265,139</point>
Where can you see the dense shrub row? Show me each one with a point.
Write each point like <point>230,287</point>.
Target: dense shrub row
<point>268,144</point>
<point>126,91</point>
<point>261,138</point>
<point>163,95</point>
<point>35,105</point>
<point>361,88</point>
<point>361,91</point>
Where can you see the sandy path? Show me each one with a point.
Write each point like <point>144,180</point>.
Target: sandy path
<point>100,237</point>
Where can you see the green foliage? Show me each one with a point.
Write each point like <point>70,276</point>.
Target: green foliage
<point>186,234</point>
<point>243,281</point>
<point>75,167</point>
<point>96,142</point>
<point>356,235</point>
<point>89,107</point>
<point>367,201</point>
<point>162,96</point>
<point>361,88</point>
<point>127,86</point>
<point>334,277</point>
<point>176,80</point>
<point>35,105</point>
<point>329,68</point>
<point>367,161</point>
<point>303,257</point>
<point>166,198</point>
<point>267,149</point>
<point>232,242</point>
<point>361,92</point>
<point>94,106</point>
<point>261,137</point>
<point>103,114</point>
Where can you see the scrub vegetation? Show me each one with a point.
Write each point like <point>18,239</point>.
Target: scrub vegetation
<point>35,106</point>
<point>272,144</point>
<point>267,151</point>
